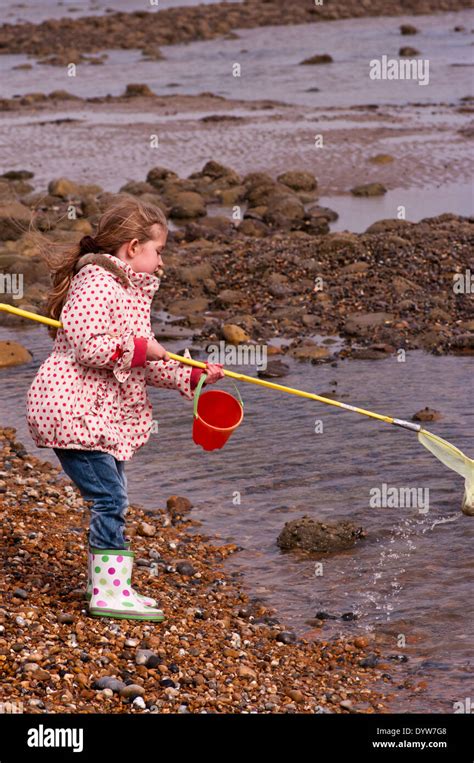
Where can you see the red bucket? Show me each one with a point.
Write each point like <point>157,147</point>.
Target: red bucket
<point>216,415</point>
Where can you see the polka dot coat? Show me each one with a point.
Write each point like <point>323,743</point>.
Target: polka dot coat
<point>88,393</point>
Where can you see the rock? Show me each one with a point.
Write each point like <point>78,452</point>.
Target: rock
<point>361,323</point>
<point>137,188</point>
<point>369,662</point>
<point>295,694</point>
<point>190,306</point>
<point>178,504</point>
<point>143,655</point>
<point>308,350</point>
<point>13,354</point>
<point>228,197</point>
<point>195,273</point>
<point>187,205</point>
<point>326,213</point>
<point>286,637</point>
<point>41,675</point>
<point>215,171</point>
<point>389,224</point>
<point>355,267</point>
<point>348,616</point>
<point>369,189</point>
<point>146,530</point>
<point>133,90</point>
<point>427,414</point>
<point>20,593</point>
<point>18,175</point>
<point>407,51</point>
<point>231,297</point>
<point>325,537</point>
<point>298,180</point>
<point>131,691</point>
<point>275,369</point>
<point>325,616</point>
<point>14,220</point>
<point>463,344</point>
<point>30,667</point>
<point>255,228</point>
<point>139,702</point>
<point>368,353</point>
<point>346,704</point>
<point>63,188</point>
<point>152,53</point>
<point>283,210</point>
<point>323,58</point>
<point>408,29</point>
<point>109,682</point>
<point>65,618</point>
<point>159,175</point>
<point>234,334</point>
<point>246,672</point>
<point>185,568</point>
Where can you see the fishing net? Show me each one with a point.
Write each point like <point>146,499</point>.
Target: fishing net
<point>454,459</point>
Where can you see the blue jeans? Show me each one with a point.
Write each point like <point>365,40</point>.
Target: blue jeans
<point>101,479</point>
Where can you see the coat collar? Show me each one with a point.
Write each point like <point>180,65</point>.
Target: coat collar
<point>146,282</point>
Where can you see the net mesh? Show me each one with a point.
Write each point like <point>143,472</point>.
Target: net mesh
<point>454,459</point>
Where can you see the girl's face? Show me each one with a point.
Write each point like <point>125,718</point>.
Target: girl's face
<point>146,258</point>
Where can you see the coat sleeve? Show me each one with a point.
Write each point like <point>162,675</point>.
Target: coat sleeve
<point>171,374</point>
<point>96,326</point>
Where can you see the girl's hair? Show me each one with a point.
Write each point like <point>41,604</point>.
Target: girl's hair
<point>125,217</point>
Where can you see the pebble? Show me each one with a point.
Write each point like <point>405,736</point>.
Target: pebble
<point>20,593</point>
<point>139,702</point>
<point>131,691</point>
<point>65,618</point>
<point>109,682</point>
<point>146,529</point>
<point>369,662</point>
<point>143,655</point>
<point>346,703</point>
<point>286,637</point>
<point>185,568</point>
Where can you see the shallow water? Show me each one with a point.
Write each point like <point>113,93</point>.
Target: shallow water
<point>412,575</point>
<point>40,10</point>
<point>269,58</point>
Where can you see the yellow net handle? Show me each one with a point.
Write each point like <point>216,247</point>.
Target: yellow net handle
<point>241,377</point>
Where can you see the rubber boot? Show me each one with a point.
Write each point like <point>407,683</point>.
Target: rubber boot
<point>112,594</point>
<point>148,601</point>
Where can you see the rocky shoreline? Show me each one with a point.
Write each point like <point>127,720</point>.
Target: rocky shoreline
<point>64,41</point>
<point>277,276</point>
<point>219,651</point>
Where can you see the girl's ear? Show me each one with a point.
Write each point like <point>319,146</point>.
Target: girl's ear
<point>132,247</point>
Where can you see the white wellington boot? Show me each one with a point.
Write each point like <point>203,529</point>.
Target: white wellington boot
<point>112,593</point>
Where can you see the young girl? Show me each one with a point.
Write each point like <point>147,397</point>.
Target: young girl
<point>88,400</point>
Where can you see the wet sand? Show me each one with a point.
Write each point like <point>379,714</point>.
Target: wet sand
<point>108,140</point>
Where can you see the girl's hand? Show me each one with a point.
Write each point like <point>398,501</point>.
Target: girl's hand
<point>213,372</point>
<point>156,351</point>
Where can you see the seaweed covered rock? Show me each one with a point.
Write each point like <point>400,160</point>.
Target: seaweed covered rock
<point>324,537</point>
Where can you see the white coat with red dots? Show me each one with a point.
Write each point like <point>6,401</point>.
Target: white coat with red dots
<point>91,392</point>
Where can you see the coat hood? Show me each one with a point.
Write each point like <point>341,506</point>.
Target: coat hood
<point>121,270</point>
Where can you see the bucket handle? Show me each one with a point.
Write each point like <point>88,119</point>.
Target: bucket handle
<point>199,389</point>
